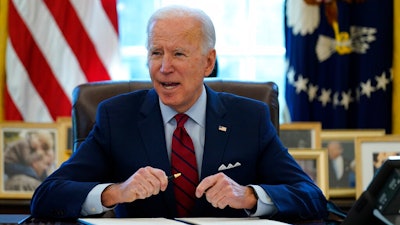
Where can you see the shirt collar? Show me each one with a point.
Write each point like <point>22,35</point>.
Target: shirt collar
<point>197,112</point>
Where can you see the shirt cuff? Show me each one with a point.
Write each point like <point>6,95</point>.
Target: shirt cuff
<point>265,205</point>
<point>92,204</point>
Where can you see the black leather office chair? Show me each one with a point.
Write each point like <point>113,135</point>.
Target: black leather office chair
<point>87,96</point>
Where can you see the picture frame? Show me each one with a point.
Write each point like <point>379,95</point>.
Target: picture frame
<point>29,153</point>
<point>315,163</point>
<point>370,153</point>
<point>301,134</point>
<point>65,124</point>
<point>340,144</point>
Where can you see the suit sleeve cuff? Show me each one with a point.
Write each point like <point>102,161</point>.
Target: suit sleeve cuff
<point>265,205</point>
<point>92,204</point>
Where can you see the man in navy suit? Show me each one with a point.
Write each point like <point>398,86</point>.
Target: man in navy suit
<point>244,170</point>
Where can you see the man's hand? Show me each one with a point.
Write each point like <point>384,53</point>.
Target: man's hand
<point>222,191</point>
<point>142,184</point>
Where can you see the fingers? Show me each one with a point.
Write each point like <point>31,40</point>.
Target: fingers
<point>205,185</point>
<point>221,191</point>
<point>144,183</point>
<point>215,188</point>
<point>153,180</point>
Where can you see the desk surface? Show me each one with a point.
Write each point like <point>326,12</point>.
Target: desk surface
<point>11,218</point>
<point>14,219</point>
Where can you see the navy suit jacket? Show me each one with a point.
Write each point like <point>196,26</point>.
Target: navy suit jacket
<point>129,134</point>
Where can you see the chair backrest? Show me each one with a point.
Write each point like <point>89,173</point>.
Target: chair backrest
<point>86,97</point>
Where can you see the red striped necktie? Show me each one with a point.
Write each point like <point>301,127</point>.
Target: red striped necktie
<point>183,160</point>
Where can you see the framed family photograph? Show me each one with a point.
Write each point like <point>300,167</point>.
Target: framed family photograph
<point>29,153</point>
<point>314,163</point>
<point>300,134</point>
<point>370,153</point>
<point>341,158</point>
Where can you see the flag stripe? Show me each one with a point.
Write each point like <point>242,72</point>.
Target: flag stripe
<point>29,102</point>
<point>52,50</point>
<point>78,40</point>
<point>36,65</point>
<point>12,110</point>
<point>99,29</point>
<point>51,44</point>
<point>111,11</point>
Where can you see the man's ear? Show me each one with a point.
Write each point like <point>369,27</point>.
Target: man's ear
<point>211,57</point>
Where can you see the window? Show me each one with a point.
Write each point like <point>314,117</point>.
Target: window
<point>250,37</point>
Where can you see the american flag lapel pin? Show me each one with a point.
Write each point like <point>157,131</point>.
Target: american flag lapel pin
<point>222,128</point>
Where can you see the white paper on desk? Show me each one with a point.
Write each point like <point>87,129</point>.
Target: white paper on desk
<point>230,221</point>
<point>128,221</point>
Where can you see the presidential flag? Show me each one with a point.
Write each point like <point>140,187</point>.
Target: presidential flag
<point>339,62</point>
<point>53,46</point>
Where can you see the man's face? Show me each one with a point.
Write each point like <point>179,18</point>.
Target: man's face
<point>334,150</point>
<point>177,63</point>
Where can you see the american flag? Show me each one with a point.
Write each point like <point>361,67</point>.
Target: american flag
<point>52,47</point>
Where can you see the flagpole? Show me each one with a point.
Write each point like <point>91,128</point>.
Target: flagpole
<point>3,44</point>
<point>396,69</point>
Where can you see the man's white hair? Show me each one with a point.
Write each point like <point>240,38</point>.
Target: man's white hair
<point>177,11</point>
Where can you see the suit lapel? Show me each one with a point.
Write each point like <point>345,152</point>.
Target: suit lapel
<point>217,133</point>
<point>152,133</point>
<point>215,142</point>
